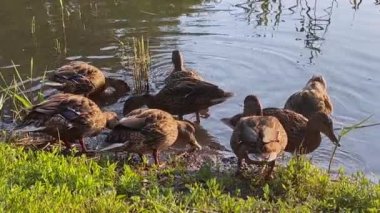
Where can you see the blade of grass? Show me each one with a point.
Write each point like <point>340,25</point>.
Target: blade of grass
<point>344,132</point>
<point>18,74</point>
<point>25,101</point>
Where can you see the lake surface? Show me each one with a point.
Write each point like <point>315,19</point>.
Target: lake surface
<point>268,48</point>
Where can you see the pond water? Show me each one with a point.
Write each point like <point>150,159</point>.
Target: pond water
<point>268,48</point>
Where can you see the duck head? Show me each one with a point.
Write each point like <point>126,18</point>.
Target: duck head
<point>321,122</point>
<point>177,60</point>
<point>317,82</point>
<point>252,106</point>
<point>136,102</point>
<point>186,131</point>
<point>111,119</point>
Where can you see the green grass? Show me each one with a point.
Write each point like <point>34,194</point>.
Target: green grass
<point>141,64</point>
<point>13,95</point>
<point>47,181</point>
<point>135,56</point>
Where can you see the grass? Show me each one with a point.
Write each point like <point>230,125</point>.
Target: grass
<point>13,95</point>
<point>344,131</point>
<point>135,55</point>
<point>141,64</point>
<point>47,181</point>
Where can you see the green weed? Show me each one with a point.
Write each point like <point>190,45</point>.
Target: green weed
<point>135,55</point>
<point>48,181</point>
<point>14,95</point>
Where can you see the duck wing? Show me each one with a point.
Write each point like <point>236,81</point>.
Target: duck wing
<point>293,123</point>
<point>60,109</point>
<point>75,77</point>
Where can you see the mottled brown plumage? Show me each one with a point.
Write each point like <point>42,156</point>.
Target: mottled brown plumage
<point>179,71</point>
<point>78,77</point>
<point>67,117</point>
<point>258,139</point>
<point>150,131</point>
<point>311,99</point>
<point>185,97</point>
<point>303,134</point>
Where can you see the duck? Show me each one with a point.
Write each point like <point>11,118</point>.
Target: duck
<point>67,117</point>
<point>78,77</point>
<point>179,71</point>
<point>150,131</point>
<point>304,135</point>
<point>311,99</point>
<point>184,97</point>
<point>258,138</point>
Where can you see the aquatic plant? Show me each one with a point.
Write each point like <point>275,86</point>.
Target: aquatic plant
<point>135,55</point>
<point>141,64</point>
<point>14,92</point>
<point>344,131</point>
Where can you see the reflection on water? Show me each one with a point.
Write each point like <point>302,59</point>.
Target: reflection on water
<point>50,33</point>
<point>313,18</point>
<point>266,47</point>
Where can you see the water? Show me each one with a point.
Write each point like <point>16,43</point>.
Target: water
<point>268,48</point>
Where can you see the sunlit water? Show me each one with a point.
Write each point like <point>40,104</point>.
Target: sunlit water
<point>268,48</point>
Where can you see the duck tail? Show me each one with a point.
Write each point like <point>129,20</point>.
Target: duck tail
<point>53,84</point>
<point>228,122</point>
<point>113,147</point>
<point>228,94</point>
<point>29,128</point>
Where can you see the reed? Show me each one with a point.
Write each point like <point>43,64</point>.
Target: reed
<point>141,64</point>
<point>62,5</point>
<point>344,131</point>
<point>13,94</point>
<point>33,26</point>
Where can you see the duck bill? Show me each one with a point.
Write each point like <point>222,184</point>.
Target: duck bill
<point>195,145</point>
<point>261,157</point>
<point>333,138</point>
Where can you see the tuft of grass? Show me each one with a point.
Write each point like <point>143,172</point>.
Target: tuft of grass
<point>141,64</point>
<point>67,184</point>
<point>135,55</point>
<point>14,95</point>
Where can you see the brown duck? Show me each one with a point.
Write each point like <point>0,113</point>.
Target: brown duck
<point>78,77</point>
<point>67,117</point>
<point>184,97</point>
<point>150,131</point>
<point>179,72</point>
<point>258,139</point>
<point>303,134</point>
<point>311,99</point>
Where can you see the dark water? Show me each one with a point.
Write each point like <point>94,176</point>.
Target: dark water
<point>269,48</point>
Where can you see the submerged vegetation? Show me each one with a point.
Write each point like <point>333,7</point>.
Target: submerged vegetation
<point>48,181</point>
